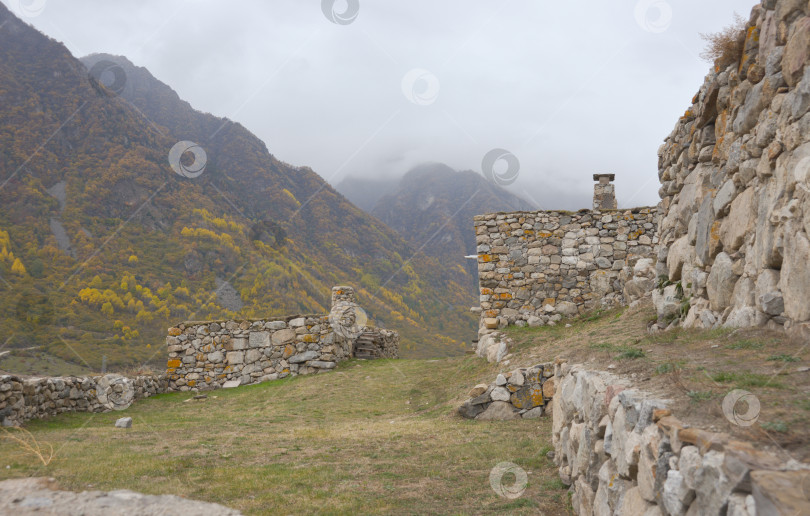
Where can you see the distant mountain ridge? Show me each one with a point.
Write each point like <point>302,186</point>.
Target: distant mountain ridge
<point>151,247</point>
<point>433,207</point>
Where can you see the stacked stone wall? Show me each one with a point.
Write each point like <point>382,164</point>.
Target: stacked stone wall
<point>735,175</point>
<point>23,399</point>
<point>206,355</point>
<point>212,354</point>
<point>624,454</point>
<point>536,267</point>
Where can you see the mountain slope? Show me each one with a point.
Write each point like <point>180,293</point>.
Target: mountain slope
<point>365,192</point>
<point>433,208</point>
<point>103,245</point>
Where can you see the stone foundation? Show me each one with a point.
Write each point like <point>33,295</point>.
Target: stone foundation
<point>624,454</point>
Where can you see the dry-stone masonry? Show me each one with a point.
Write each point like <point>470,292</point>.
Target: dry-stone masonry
<point>536,267</point>
<point>23,398</point>
<point>212,354</point>
<point>522,393</point>
<point>736,184</point>
<point>624,454</point>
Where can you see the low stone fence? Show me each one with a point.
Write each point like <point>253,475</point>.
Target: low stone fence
<point>522,393</point>
<point>624,454</point>
<point>213,354</point>
<point>23,399</point>
<point>207,355</point>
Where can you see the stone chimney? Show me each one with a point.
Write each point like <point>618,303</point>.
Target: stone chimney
<point>342,293</point>
<point>604,192</point>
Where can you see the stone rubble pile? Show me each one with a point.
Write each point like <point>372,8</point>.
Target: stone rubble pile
<point>624,454</point>
<point>735,185</point>
<point>522,393</point>
<point>23,399</point>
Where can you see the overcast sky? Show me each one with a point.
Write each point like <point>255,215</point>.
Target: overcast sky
<point>570,88</point>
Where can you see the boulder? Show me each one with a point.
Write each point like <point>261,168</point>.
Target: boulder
<point>740,221</point>
<point>469,411</point>
<point>777,492</point>
<point>498,411</point>
<point>124,422</point>
<point>796,52</point>
<point>478,390</point>
<point>304,357</point>
<point>795,277</point>
<point>720,285</point>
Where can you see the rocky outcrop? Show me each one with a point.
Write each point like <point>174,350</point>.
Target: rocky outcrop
<point>735,176</point>
<point>40,496</point>
<point>522,393</point>
<point>624,454</point>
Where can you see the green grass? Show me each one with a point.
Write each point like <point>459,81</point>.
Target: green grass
<point>747,379</point>
<point>698,396</point>
<point>782,358</point>
<point>630,353</point>
<point>775,426</point>
<point>376,437</point>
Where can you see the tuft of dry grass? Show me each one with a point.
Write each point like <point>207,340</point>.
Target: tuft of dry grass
<point>29,444</point>
<point>726,47</point>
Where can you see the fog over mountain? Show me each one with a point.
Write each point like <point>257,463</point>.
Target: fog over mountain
<point>401,84</point>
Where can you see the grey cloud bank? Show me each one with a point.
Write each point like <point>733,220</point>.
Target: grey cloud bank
<point>570,88</point>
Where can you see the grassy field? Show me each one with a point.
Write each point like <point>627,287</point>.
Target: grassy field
<point>373,437</point>
<point>695,369</point>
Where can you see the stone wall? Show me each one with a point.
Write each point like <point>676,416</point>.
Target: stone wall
<point>521,393</point>
<point>23,399</point>
<point>536,267</point>
<point>735,188</point>
<point>213,354</point>
<point>624,454</point>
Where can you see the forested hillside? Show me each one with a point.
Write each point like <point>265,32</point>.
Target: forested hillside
<point>103,246</point>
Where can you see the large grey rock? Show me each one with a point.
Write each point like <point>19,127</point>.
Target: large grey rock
<point>724,196</point>
<point>499,411</point>
<point>124,422</point>
<point>469,411</point>
<point>567,308</point>
<point>740,221</point>
<point>667,303</point>
<point>720,285</point>
<point>282,337</point>
<point>677,496</point>
<point>39,496</point>
<point>304,357</point>
<point>772,303</point>
<point>500,394</point>
<point>795,277</point>
<point>679,254</point>
<point>796,50</point>
<point>705,241</point>
<point>712,486</point>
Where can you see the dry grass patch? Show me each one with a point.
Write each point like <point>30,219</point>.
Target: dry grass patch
<point>376,437</point>
<point>696,369</point>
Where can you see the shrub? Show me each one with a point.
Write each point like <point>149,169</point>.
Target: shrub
<point>726,47</point>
